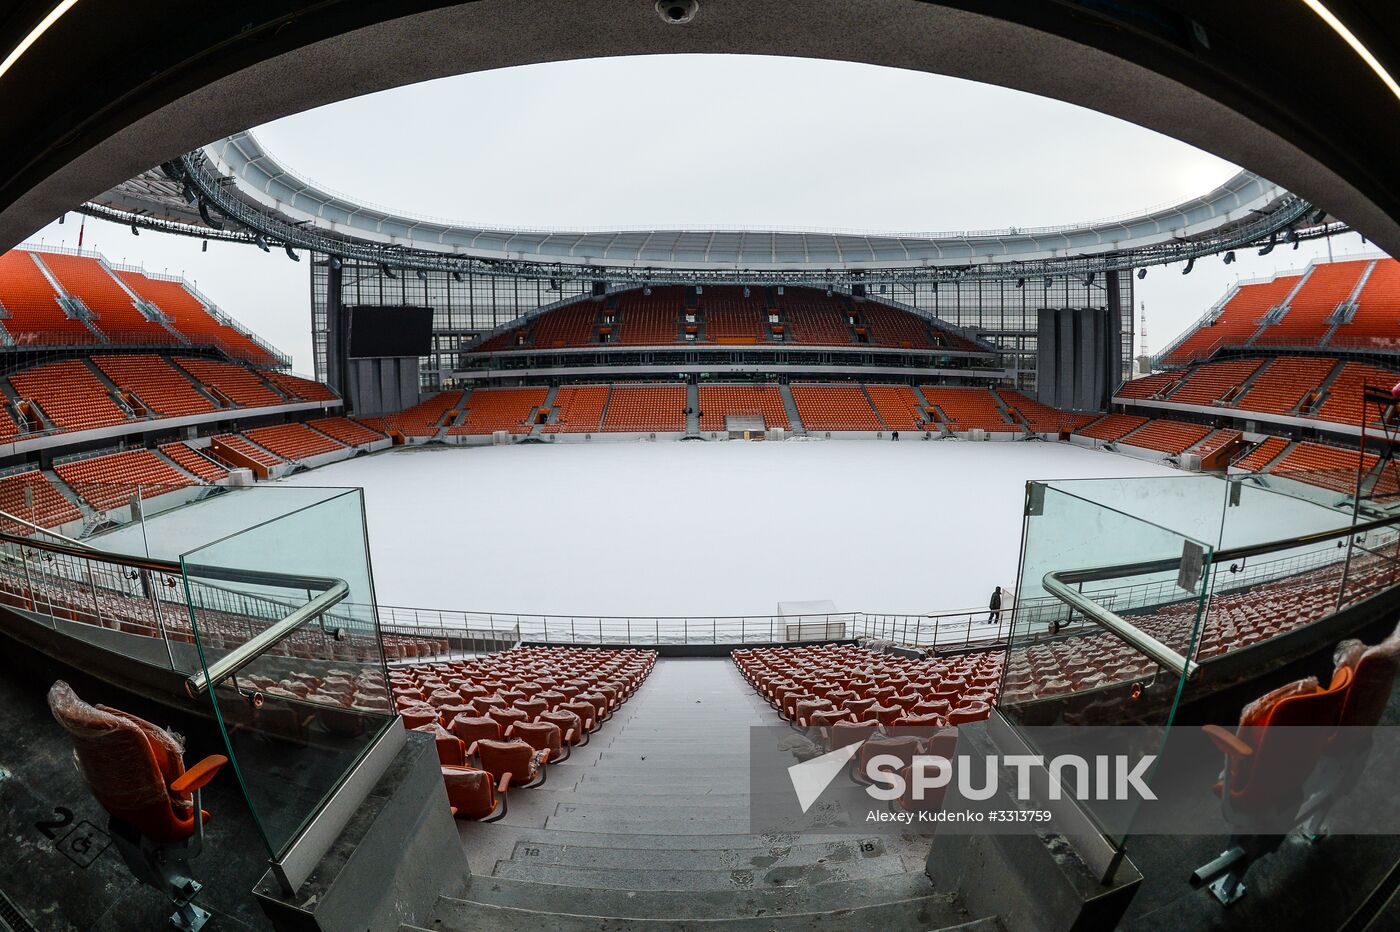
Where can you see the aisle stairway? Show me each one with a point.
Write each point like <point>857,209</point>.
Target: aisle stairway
<point>647,827</point>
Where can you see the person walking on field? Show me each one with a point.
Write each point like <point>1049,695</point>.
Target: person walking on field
<point>994,615</point>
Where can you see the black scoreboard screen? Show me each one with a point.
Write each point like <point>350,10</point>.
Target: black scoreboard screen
<point>378,330</point>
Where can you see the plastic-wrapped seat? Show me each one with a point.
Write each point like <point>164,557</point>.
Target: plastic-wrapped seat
<point>569,723</point>
<point>506,717</point>
<point>586,711</point>
<point>136,772</point>
<point>472,728</point>
<point>509,762</point>
<point>542,736</point>
<point>450,749</point>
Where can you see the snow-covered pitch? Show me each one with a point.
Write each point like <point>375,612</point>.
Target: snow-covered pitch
<point>701,529</point>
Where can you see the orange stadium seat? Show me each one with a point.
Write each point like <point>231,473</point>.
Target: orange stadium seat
<point>88,279</point>
<point>424,418</point>
<point>651,319</point>
<point>1262,455</point>
<point>293,441</point>
<point>1041,418</point>
<point>255,453</point>
<point>351,433</point>
<point>646,408</point>
<point>294,386</point>
<point>1284,383</point>
<point>33,315</point>
<point>720,401</point>
<point>163,389</point>
<point>834,407</point>
<point>579,409</point>
<point>1310,311</point>
<point>106,482</point>
<point>898,407</point>
<point>493,409</point>
<point>1208,384</point>
<point>30,495</point>
<point>193,461</point>
<point>1113,427</point>
<point>239,385</point>
<point>1168,436</point>
<point>71,396</point>
<point>1150,386</point>
<point>190,317</point>
<point>1376,324</point>
<point>1236,322</point>
<point>967,408</point>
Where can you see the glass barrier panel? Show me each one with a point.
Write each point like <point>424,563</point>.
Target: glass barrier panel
<point>1063,668</point>
<point>300,716</point>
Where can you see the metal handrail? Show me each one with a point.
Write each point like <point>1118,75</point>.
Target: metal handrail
<point>1058,584</point>
<point>1134,636</point>
<point>256,646</point>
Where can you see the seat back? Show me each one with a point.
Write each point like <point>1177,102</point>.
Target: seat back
<point>1373,679</point>
<point>1287,744</point>
<point>128,764</point>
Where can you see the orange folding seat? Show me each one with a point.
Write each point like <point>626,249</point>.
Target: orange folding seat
<point>510,761</point>
<point>843,733</point>
<point>471,794</point>
<point>569,723</point>
<point>506,717</point>
<point>903,747</point>
<point>418,716</point>
<point>932,720</point>
<point>885,714</point>
<point>860,708</point>
<point>483,704</point>
<point>472,728</point>
<point>601,704</point>
<point>451,751</point>
<point>511,696</point>
<point>542,736</point>
<point>970,712</point>
<point>551,698</point>
<point>586,712</point>
<point>446,713</point>
<point>826,717</point>
<point>532,708</point>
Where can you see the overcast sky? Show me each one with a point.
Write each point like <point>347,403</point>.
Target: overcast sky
<point>767,142</point>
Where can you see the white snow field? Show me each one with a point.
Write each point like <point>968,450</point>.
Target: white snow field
<point>697,529</point>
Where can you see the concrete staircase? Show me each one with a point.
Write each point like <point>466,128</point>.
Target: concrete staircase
<point>692,401</point>
<point>647,828</point>
<point>790,407</point>
<point>537,429</point>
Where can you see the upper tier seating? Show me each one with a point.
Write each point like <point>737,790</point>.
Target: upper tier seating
<point>493,409</point>
<point>33,315</point>
<point>50,508</point>
<point>1112,427</point>
<point>1168,436</point>
<point>159,386</point>
<point>812,318</point>
<point>351,433</point>
<point>294,386</point>
<point>293,441</point>
<point>646,408</point>
<point>68,392</point>
<point>115,313</point>
<point>720,401</point>
<point>191,318</point>
<point>1262,455</point>
<point>424,418</point>
<point>889,327</point>
<point>1377,321</point>
<point>650,319</point>
<point>834,407</point>
<point>1237,321</point>
<point>1284,382</point>
<point>106,482</point>
<point>1150,386</point>
<point>236,383</point>
<point>191,460</point>
<point>1214,381</point>
<point>580,409</point>
<point>1310,312</point>
<point>1041,418</point>
<point>968,408</point>
<point>898,407</point>
<point>731,318</point>
<point>568,326</point>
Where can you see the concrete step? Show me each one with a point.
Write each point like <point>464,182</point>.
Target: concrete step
<point>652,878</point>
<point>642,822</point>
<point>898,903</point>
<point>750,857</point>
<point>603,798</point>
<point>671,842</point>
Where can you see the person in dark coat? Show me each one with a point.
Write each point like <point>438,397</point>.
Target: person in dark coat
<point>994,615</point>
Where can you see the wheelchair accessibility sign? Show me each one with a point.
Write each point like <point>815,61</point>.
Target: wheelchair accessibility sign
<point>82,844</point>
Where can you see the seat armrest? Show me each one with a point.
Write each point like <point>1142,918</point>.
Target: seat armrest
<point>1226,742</point>
<point>569,736</point>
<point>471,751</point>
<point>505,782</point>
<point>199,775</point>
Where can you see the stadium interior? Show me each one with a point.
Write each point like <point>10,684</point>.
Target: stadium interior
<point>228,730</point>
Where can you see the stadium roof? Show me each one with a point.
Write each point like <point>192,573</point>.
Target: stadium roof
<point>261,179</point>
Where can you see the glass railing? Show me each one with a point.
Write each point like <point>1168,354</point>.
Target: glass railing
<point>284,622</point>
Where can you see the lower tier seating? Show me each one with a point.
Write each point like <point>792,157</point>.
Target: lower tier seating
<point>646,408</point>
<point>193,461</point>
<point>835,407</point>
<point>106,482</point>
<point>1168,436</point>
<point>1112,427</point>
<point>493,409</point>
<point>579,409</point>
<point>30,495</point>
<point>293,441</point>
<point>720,401</point>
<point>423,419</point>
<point>967,408</point>
<point>351,433</point>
